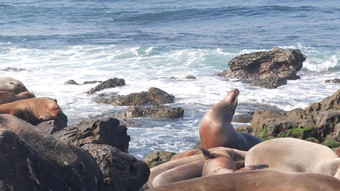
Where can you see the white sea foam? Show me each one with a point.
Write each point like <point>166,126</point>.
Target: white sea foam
<point>145,67</point>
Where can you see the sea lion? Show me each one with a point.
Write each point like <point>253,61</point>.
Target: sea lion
<point>33,110</point>
<point>189,167</point>
<point>7,97</point>
<point>257,180</point>
<point>12,85</point>
<point>295,155</point>
<point>216,129</point>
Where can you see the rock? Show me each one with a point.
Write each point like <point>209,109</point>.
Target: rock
<point>71,82</point>
<point>92,82</point>
<point>10,69</point>
<point>158,158</point>
<point>335,80</point>
<point>51,126</point>
<point>154,111</point>
<point>269,82</point>
<point>245,118</point>
<point>278,64</point>
<point>24,168</point>
<point>102,131</point>
<point>190,77</point>
<point>77,167</point>
<point>152,96</point>
<point>111,83</point>
<point>318,123</point>
<point>121,171</point>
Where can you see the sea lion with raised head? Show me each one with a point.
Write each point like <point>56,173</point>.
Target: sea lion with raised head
<point>12,85</point>
<point>33,110</point>
<point>257,180</point>
<point>295,155</point>
<point>7,97</point>
<point>216,128</point>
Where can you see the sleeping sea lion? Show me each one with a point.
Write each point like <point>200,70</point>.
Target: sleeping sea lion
<point>7,97</point>
<point>11,85</point>
<point>33,110</point>
<point>216,129</point>
<point>295,155</point>
<point>257,180</point>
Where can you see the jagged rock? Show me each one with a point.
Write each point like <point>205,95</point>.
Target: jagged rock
<point>10,69</point>
<point>102,131</point>
<point>269,82</point>
<point>319,122</point>
<point>51,126</point>
<point>121,171</point>
<point>154,111</point>
<point>71,82</point>
<point>245,118</point>
<point>92,82</point>
<point>335,80</point>
<point>111,83</point>
<point>77,167</point>
<point>152,96</point>
<point>158,158</point>
<point>24,168</point>
<point>191,77</point>
<point>277,64</point>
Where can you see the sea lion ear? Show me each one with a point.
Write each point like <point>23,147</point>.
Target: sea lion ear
<point>207,154</point>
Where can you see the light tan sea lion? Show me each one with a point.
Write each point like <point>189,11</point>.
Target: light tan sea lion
<point>11,85</point>
<point>257,180</point>
<point>216,129</point>
<point>33,110</point>
<point>295,155</point>
<point>188,167</point>
<point>7,97</point>
<point>186,154</point>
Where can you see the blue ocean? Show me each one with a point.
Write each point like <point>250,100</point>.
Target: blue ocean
<point>157,43</point>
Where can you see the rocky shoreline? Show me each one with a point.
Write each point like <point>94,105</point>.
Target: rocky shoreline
<point>93,154</point>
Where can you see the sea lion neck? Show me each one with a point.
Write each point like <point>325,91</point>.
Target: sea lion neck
<point>29,114</point>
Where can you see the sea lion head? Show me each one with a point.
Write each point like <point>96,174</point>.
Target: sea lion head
<point>229,103</point>
<point>47,109</point>
<point>12,85</point>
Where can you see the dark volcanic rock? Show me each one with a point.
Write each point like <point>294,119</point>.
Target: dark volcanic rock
<point>10,69</point>
<point>152,96</point>
<point>111,83</point>
<point>154,111</point>
<point>121,171</point>
<point>191,77</point>
<point>71,82</point>
<point>24,168</point>
<point>77,167</point>
<point>335,80</point>
<point>103,131</point>
<point>276,64</point>
<point>51,126</point>
<point>269,83</point>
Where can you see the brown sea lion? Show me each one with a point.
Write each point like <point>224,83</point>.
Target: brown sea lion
<point>33,110</point>
<point>257,180</point>
<point>7,97</point>
<point>216,129</point>
<point>11,85</point>
<point>295,155</point>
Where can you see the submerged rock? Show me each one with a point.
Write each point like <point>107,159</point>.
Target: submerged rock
<point>335,80</point>
<point>269,82</point>
<point>71,82</point>
<point>276,66</point>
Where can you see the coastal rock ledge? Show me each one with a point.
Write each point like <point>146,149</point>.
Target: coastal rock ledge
<point>273,68</point>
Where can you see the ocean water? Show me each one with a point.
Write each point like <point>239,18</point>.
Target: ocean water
<point>156,44</point>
